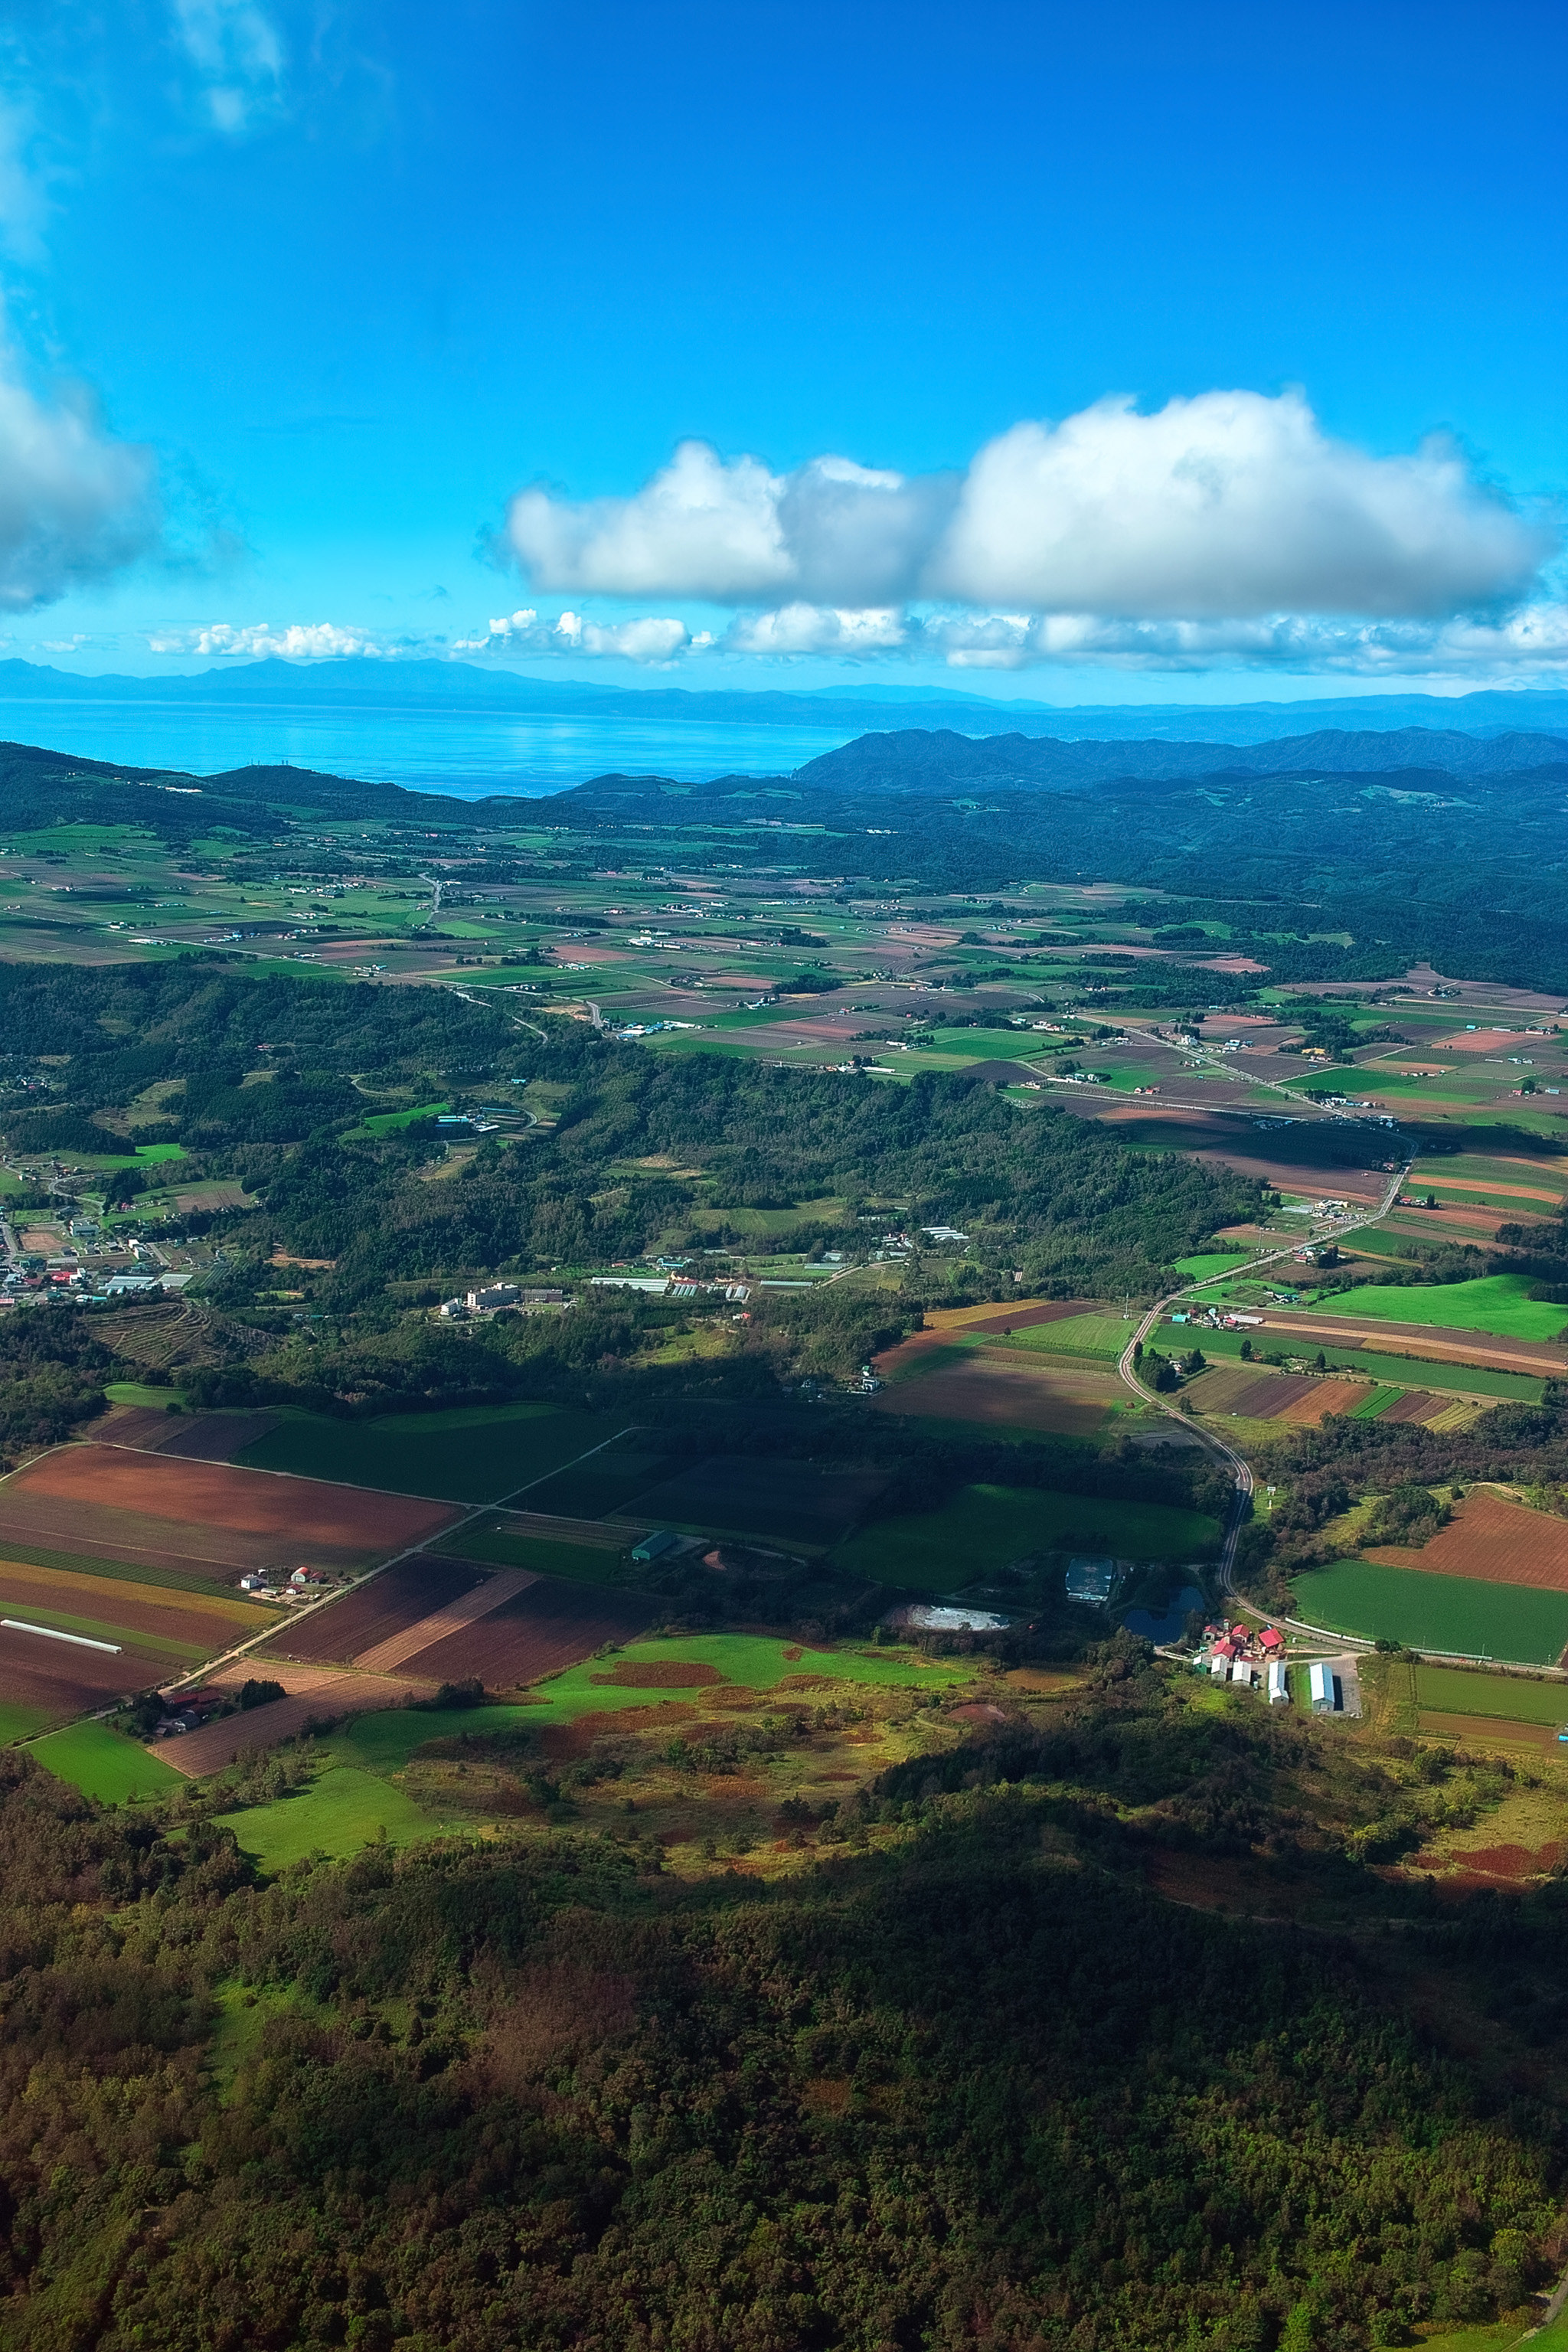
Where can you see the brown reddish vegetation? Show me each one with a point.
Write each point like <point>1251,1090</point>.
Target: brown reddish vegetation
<point>1493,1542</point>
<point>660,1674</point>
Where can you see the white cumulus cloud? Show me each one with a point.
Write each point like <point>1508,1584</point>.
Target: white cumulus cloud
<point>259,641</point>
<point>650,639</point>
<point>238,54</point>
<point>802,628</point>
<point>76,506</point>
<point>1230,506</point>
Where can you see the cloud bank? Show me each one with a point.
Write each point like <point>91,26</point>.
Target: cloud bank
<point>1227,528</point>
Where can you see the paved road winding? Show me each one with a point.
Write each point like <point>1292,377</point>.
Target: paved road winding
<point>1240,1469</point>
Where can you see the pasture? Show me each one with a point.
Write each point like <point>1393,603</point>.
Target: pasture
<point>1503,1698</point>
<point>1497,1302</point>
<point>474,1455</point>
<point>1426,1612</point>
<point>103,1764</point>
<point>983,1527</point>
<point>1373,1358</point>
<point>1103,1334</point>
<point>1208,1263</point>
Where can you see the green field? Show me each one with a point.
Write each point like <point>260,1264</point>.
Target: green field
<point>103,1764</point>
<point>387,1122</point>
<point>1457,1613</point>
<point>138,1393</point>
<point>1209,1262</point>
<point>342,1810</point>
<point>19,1722</point>
<point>1103,1334</point>
<point>1499,1302</point>
<point>1505,1698</point>
<point>473,1455</point>
<point>495,1542</point>
<point>1405,1371</point>
<point>985,1527</point>
<point>1368,1407</point>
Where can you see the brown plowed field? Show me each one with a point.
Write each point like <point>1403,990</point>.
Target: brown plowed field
<point>659,1674</point>
<point>372,1613</point>
<point>63,1681</point>
<point>1492,1731</point>
<point>1008,1319</point>
<point>1493,1542</point>
<point>1323,1397</point>
<point>1416,1404</point>
<point>553,1624</point>
<point>996,1389</point>
<point>111,1500</point>
<point>315,1694</point>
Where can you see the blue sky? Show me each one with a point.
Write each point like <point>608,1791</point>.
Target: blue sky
<point>1154,352</point>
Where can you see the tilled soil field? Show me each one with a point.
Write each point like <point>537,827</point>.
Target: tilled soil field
<point>1415,1405</point>
<point>1492,1542</point>
<point>122,1504</point>
<point>986,1386</point>
<point>216,1436</point>
<point>60,1681</point>
<point>372,1613</point>
<point>553,1624</point>
<point>313,1695</point>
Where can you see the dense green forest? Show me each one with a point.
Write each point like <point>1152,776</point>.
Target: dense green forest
<point>963,2081</point>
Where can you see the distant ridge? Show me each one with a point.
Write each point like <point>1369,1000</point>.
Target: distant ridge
<point>356,681</point>
<point>943,760</point>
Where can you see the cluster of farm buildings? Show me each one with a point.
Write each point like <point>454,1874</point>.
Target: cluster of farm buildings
<point>1236,1654</point>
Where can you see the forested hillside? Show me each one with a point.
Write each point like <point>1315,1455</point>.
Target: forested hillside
<point>963,2082</point>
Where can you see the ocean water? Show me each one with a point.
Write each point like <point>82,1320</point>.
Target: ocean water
<point>466,753</point>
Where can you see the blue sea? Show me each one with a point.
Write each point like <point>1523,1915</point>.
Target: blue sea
<point>466,753</point>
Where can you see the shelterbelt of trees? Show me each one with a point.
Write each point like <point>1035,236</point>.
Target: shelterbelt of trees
<point>963,2082</point>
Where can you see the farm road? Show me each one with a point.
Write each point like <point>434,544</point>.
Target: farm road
<point>1240,1468</point>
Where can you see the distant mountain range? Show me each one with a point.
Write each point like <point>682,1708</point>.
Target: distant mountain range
<point>941,761</point>
<point>358,682</point>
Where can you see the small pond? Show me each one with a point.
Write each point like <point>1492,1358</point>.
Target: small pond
<point>1167,1626</point>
